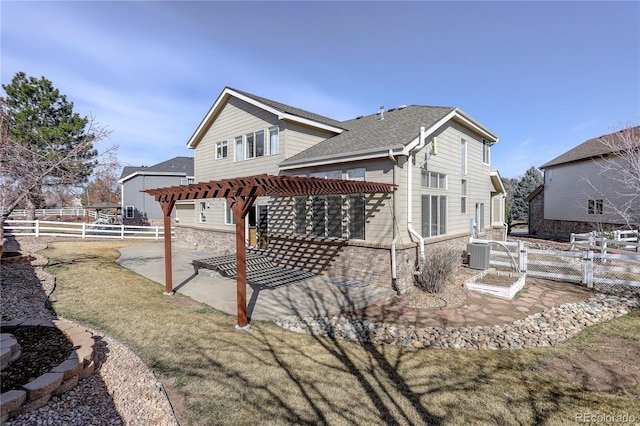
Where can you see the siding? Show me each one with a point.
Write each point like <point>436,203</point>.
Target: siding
<point>299,137</point>
<point>236,118</point>
<point>447,161</point>
<point>567,192</point>
<point>143,202</point>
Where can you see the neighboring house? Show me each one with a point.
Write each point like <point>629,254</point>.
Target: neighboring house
<point>577,190</point>
<point>139,208</point>
<point>439,158</point>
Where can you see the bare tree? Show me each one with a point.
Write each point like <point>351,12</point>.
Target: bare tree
<point>24,171</point>
<point>619,164</point>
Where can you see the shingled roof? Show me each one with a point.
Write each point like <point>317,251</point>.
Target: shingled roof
<point>593,148</point>
<point>182,166</point>
<point>369,133</point>
<point>292,110</point>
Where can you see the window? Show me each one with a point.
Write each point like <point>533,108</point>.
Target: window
<point>254,144</point>
<point>229,218</point>
<point>356,174</point>
<point>129,212</point>
<point>186,181</point>
<point>463,196</point>
<point>221,150</point>
<point>356,216</point>
<point>273,140</point>
<point>250,145</point>
<point>434,215</point>
<point>480,217</point>
<point>300,208</point>
<point>486,152</point>
<point>434,180</point>
<point>203,211</point>
<point>326,216</point>
<point>238,150</point>
<point>596,207</point>
<point>463,157</point>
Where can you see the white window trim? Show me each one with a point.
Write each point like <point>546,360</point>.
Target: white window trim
<point>277,132</point>
<point>222,144</point>
<point>486,152</point>
<point>133,212</point>
<point>202,212</point>
<point>463,161</point>
<point>229,217</point>
<point>238,140</point>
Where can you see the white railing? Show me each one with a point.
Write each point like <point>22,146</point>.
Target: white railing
<point>622,242</point>
<point>583,267</point>
<point>40,228</point>
<point>65,211</point>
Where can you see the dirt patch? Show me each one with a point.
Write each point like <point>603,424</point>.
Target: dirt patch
<point>503,280</point>
<point>610,364</point>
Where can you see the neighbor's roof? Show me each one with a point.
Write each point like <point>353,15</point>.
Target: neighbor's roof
<point>180,166</point>
<point>594,148</point>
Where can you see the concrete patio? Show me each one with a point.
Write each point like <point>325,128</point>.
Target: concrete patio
<point>311,297</point>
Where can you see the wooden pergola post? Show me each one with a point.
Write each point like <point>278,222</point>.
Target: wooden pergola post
<point>240,207</point>
<point>167,207</point>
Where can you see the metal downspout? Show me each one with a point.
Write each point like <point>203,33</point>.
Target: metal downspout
<point>394,270</point>
<point>412,231</point>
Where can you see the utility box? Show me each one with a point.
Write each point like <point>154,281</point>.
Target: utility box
<point>479,255</point>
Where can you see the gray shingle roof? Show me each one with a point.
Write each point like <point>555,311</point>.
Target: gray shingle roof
<point>292,110</point>
<point>399,127</point>
<point>179,165</point>
<point>593,148</point>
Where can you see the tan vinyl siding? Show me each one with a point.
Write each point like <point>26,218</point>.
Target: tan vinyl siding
<point>298,137</point>
<point>447,161</point>
<point>237,118</point>
<point>185,213</point>
<point>567,192</point>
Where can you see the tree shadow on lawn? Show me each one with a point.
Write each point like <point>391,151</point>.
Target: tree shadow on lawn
<point>271,376</point>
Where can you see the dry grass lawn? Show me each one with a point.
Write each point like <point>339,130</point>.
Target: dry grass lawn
<point>218,375</point>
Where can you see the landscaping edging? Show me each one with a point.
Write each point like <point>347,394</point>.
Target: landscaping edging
<point>548,328</point>
<point>79,365</point>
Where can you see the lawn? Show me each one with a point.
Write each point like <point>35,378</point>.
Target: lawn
<point>218,375</point>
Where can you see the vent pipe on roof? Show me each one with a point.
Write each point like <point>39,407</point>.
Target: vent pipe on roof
<point>381,112</point>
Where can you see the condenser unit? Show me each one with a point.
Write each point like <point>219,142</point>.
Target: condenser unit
<point>479,254</point>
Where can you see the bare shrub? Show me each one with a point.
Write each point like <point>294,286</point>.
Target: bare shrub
<point>438,269</point>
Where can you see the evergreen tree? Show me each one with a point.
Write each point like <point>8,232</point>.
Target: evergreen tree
<point>49,143</point>
<point>525,186</point>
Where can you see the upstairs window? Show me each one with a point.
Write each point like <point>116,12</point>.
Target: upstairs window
<point>486,152</point>
<point>238,150</point>
<point>186,181</point>
<point>130,212</point>
<point>434,180</point>
<point>273,141</point>
<point>463,157</point>
<point>463,196</point>
<point>221,150</point>
<point>254,144</point>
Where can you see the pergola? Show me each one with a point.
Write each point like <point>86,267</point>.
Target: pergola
<point>240,194</point>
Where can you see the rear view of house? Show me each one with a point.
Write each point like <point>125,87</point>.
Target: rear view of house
<point>139,208</point>
<point>438,157</point>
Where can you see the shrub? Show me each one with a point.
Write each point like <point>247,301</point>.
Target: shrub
<point>438,269</point>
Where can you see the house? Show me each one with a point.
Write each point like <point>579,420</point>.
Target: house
<point>580,190</point>
<point>439,158</point>
<point>139,208</point>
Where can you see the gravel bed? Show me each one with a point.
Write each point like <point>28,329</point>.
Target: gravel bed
<point>122,391</point>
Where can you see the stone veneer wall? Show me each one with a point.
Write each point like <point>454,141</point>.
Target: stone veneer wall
<point>334,258</point>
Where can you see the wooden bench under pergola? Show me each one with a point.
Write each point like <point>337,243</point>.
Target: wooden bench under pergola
<point>240,194</point>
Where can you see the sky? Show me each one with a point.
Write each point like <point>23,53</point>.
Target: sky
<point>543,76</point>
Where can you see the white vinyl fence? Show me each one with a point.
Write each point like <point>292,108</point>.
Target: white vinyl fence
<point>66,211</point>
<point>83,230</point>
<point>615,241</point>
<point>586,267</point>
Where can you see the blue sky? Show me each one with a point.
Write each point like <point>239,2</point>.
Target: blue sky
<point>544,76</point>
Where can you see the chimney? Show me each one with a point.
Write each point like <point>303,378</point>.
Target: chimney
<point>381,112</point>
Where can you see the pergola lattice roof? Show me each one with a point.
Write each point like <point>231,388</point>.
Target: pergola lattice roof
<point>267,185</point>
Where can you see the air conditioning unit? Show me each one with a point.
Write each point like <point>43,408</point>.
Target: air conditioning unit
<point>479,255</point>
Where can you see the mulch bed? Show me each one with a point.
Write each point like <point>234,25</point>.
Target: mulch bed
<point>43,348</point>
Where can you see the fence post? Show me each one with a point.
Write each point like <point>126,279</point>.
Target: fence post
<point>37,228</point>
<point>122,231</point>
<point>587,268</point>
<point>522,257</point>
<point>84,230</point>
<point>157,233</point>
